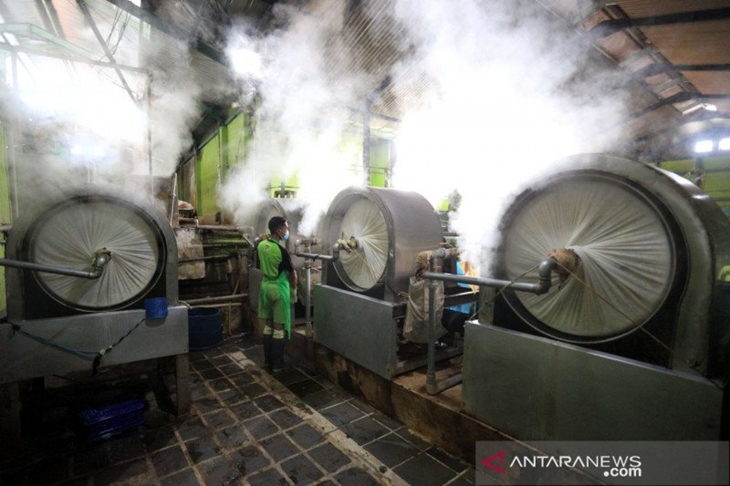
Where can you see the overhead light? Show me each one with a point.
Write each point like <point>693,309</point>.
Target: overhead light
<point>709,107</point>
<point>724,144</point>
<point>704,146</point>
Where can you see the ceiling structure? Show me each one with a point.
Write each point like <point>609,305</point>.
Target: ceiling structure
<point>675,54</point>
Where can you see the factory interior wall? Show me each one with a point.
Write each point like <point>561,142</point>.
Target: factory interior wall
<point>200,177</point>
<point>711,174</point>
<point>235,135</point>
<point>208,177</point>
<point>5,214</point>
<point>380,162</point>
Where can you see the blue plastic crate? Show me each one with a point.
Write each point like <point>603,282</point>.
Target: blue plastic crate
<point>102,423</point>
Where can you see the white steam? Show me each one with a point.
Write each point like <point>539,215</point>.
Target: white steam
<point>493,95</point>
<point>301,116</point>
<point>84,124</point>
<point>506,106</point>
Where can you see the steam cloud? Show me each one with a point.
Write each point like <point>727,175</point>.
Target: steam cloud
<point>302,112</point>
<point>514,93</point>
<point>494,94</point>
<point>84,126</point>
<point>491,94</point>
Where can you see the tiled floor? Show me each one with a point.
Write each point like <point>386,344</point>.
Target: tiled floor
<point>245,427</point>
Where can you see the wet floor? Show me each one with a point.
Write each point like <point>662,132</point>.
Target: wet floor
<point>245,426</point>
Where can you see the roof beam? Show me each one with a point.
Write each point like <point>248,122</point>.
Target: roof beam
<point>678,98</point>
<point>659,68</point>
<point>608,27</point>
<point>696,117</point>
<point>87,14</point>
<point>169,29</point>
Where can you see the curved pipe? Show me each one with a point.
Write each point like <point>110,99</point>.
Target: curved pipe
<point>99,263</point>
<point>542,286</point>
<point>539,288</point>
<point>308,259</point>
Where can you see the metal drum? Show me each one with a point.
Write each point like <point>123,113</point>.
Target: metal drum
<point>649,246</point>
<point>68,232</point>
<point>628,344</point>
<point>385,230</point>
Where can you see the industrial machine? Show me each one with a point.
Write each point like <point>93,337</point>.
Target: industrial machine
<point>91,281</point>
<point>628,343</point>
<point>359,305</point>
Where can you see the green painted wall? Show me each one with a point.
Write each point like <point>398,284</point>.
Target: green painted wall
<point>711,174</point>
<point>380,162</point>
<point>200,177</point>
<point>235,142</point>
<point>208,177</point>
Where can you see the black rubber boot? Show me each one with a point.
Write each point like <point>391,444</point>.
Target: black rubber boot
<point>277,354</point>
<point>268,339</point>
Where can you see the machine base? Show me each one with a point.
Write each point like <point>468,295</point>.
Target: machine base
<point>534,388</point>
<point>22,357</point>
<point>364,330</point>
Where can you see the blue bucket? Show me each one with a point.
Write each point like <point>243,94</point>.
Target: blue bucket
<point>205,328</point>
<point>155,308</point>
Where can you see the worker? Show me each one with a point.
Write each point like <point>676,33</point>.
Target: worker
<point>277,293</point>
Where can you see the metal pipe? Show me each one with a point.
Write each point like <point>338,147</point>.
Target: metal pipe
<point>543,285</point>
<point>308,298</point>
<point>215,300</point>
<point>308,259</point>
<point>320,256</point>
<point>173,198</point>
<point>431,369</point>
<point>39,267</point>
<point>194,224</point>
<point>212,257</point>
<point>317,256</point>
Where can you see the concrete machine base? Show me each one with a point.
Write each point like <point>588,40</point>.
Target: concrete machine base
<point>591,395</point>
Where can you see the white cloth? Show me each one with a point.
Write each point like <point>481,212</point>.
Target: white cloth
<point>415,328</point>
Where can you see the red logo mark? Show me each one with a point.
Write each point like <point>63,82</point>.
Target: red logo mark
<point>488,462</point>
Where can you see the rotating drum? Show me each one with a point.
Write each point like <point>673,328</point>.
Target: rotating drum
<point>626,242</point>
<point>388,229</point>
<point>68,235</point>
<point>651,246</point>
<point>67,232</point>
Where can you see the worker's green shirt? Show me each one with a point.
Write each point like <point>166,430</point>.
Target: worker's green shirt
<point>273,259</point>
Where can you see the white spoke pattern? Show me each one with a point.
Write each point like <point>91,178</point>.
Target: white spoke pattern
<point>366,264</point>
<point>71,235</point>
<point>624,246</point>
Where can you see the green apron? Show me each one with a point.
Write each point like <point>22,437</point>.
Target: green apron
<point>282,281</point>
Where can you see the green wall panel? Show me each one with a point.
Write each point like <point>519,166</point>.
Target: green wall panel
<point>380,151</point>
<point>208,177</point>
<point>716,163</point>
<point>678,166</point>
<point>716,180</point>
<point>235,147</point>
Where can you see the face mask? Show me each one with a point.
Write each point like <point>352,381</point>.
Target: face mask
<point>286,236</point>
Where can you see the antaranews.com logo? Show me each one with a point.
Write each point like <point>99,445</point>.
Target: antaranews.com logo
<point>613,466</point>
<point>602,462</point>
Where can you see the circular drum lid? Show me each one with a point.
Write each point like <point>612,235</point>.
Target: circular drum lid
<point>626,251</point>
<point>68,235</point>
<point>364,266</point>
